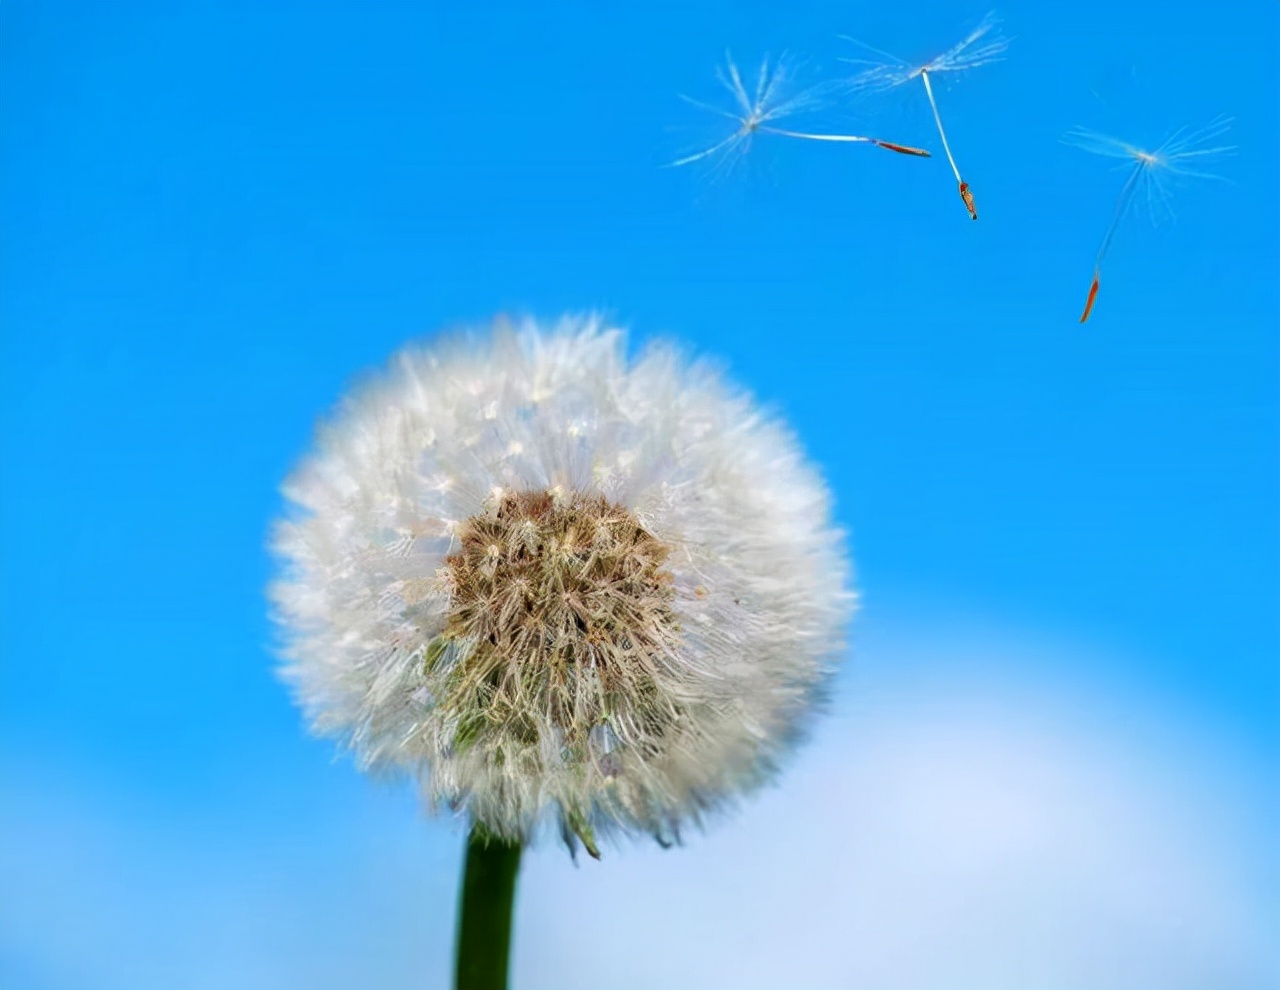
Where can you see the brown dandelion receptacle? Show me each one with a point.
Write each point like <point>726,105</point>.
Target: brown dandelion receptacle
<point>562,607</point>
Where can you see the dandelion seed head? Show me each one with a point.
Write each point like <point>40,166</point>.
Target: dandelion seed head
<point>558,586</point>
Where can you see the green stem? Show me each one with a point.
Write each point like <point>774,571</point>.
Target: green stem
<point>484,911</point>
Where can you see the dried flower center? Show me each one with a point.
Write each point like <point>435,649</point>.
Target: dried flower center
<point>564,608</point>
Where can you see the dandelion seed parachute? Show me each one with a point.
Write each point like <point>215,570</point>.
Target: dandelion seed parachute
<point>1183,153</point>
<point>753,114</point>
<point>888,71</point>
<point>561,587</point>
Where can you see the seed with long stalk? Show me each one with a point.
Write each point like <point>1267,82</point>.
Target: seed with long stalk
<point>888,72</point>
<point>1182,154</point>
<point>758,113</point>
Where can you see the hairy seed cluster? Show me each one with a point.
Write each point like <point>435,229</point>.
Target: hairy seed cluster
<point>560,584</point>
<point>561,607</point>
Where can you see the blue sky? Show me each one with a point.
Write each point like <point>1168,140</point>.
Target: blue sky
<point>215,216</point>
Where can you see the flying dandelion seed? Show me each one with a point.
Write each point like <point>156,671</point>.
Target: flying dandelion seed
<point>758,113</point>
<point>1182,154</point>
<point>888,71</point>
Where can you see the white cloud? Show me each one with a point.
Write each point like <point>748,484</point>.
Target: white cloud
<point>952,831</point>
<point>962,836</point>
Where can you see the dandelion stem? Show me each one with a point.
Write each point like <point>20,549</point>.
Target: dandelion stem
<point>484,911</point>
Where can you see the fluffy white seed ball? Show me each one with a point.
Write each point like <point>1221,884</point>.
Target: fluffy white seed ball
<point>560,586</point>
